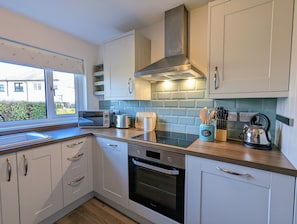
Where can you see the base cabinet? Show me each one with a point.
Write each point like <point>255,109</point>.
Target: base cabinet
<point>9,200</point>
<point>77,169</point>
<point>40,186</point>
<point>113,170</point>
<point>218,192</point>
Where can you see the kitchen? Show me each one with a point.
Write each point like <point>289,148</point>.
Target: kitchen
<point>70,45</point>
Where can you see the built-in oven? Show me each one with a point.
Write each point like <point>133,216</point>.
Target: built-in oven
<point>157,180</point>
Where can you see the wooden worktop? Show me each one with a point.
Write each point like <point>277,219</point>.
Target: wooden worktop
<point>230,151</point>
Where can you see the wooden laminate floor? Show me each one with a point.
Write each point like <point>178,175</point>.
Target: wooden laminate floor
<point>95,212</point>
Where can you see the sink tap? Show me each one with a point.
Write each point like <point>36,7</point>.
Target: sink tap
<point>3,118</point>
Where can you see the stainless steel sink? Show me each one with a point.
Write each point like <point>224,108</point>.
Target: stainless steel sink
<point>21,139</point>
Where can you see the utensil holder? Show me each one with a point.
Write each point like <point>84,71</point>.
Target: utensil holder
<point>206,132</point>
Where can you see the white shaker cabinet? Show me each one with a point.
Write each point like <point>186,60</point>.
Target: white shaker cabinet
<point>9,200</point>
<point>122,57</point>
<point>40,183</point>
<point>77,169</point>
<point>249,48</point>
<point>218,192</point>
<point>113,170</point>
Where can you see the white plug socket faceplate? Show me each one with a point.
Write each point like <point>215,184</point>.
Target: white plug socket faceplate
<point>232,116</point>
<point>246,116</point>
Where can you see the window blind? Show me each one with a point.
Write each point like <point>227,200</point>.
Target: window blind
<point>12,51</point>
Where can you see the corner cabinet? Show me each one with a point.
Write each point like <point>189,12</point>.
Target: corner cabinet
<point>122,57</point>
<point>218,192</point>
<point>249,48</point>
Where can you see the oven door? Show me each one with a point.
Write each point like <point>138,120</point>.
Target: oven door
<point>158,187</point>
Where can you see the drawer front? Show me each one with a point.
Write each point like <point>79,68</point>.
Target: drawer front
<point>109,144</point>
<point>75,144</point>
<point>75,169</point>
<point>236,172</point>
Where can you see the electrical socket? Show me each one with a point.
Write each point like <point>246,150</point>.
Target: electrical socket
<point>232,116</point>
<point>246,116</point>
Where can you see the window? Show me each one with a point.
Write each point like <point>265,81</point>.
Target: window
<point>64,97</point>
<point>18,87</point>
<point>36,94</point>
<point>2,88</point>
<point>37,86</point>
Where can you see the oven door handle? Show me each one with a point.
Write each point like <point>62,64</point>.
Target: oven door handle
<point>155,168</point>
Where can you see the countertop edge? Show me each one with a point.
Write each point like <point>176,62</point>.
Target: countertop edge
<point>196,149</point>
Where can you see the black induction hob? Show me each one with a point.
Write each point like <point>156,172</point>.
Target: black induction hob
<point>168,138</point>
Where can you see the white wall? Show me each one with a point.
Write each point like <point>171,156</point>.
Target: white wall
<point>288,107</point>
<point>22,29</point>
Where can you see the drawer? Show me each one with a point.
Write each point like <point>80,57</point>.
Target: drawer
<point>109,144</point>
<point>235,172</point>
<point>75,144</point>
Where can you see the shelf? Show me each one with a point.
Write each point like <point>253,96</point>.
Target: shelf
<point>99,93</point>
<point>98,74</point>
<point>99,83</point>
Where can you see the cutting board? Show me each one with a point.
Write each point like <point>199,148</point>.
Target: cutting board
<point>141,115</point>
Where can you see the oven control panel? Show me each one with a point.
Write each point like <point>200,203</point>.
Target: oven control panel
<point>157,155</point>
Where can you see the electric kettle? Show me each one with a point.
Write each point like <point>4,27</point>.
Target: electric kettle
<point>257,135</point>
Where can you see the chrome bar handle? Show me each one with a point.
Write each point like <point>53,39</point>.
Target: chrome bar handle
<point>216,78</point>
<point>130,86</point>
<point>155,168</point>
<point>112,145</point>
<point>75,144</point>
<point>25,165</point>
<point>233,173</point>
<point>9,169</point>
<point>77,181</point>
<point>76,157</point>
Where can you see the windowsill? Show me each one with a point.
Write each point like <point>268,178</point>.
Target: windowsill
<point>43,126</point>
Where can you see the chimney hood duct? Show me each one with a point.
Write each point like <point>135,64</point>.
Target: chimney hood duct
<point>175,65</point>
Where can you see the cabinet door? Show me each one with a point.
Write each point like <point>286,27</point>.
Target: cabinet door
<point>114,165</point>
<point>250,45</point>
<point>40,183</point>
<point>225,193</point>
<point>76,165</point>
<point>9,200</point>
<point>119,66</point>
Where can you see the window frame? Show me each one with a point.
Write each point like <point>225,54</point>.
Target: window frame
<point>51,117</point>
<point>18,86</point>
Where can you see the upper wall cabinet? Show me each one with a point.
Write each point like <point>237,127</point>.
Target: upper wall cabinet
<point>122,57</point>
<point>249,48</point>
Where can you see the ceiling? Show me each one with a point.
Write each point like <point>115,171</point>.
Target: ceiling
<point>96,20</point>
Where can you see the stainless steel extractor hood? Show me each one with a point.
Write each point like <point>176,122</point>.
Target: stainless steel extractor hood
<point>175,65</point>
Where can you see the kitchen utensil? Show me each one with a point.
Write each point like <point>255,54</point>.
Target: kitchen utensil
<point>222,117</point>
<point>257,135</point>
<point>212,117</point>
<point>122,121</point>
<point>221,124</point>
<point>203,115</point>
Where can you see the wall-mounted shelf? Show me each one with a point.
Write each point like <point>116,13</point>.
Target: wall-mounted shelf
<point>99,80</point>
